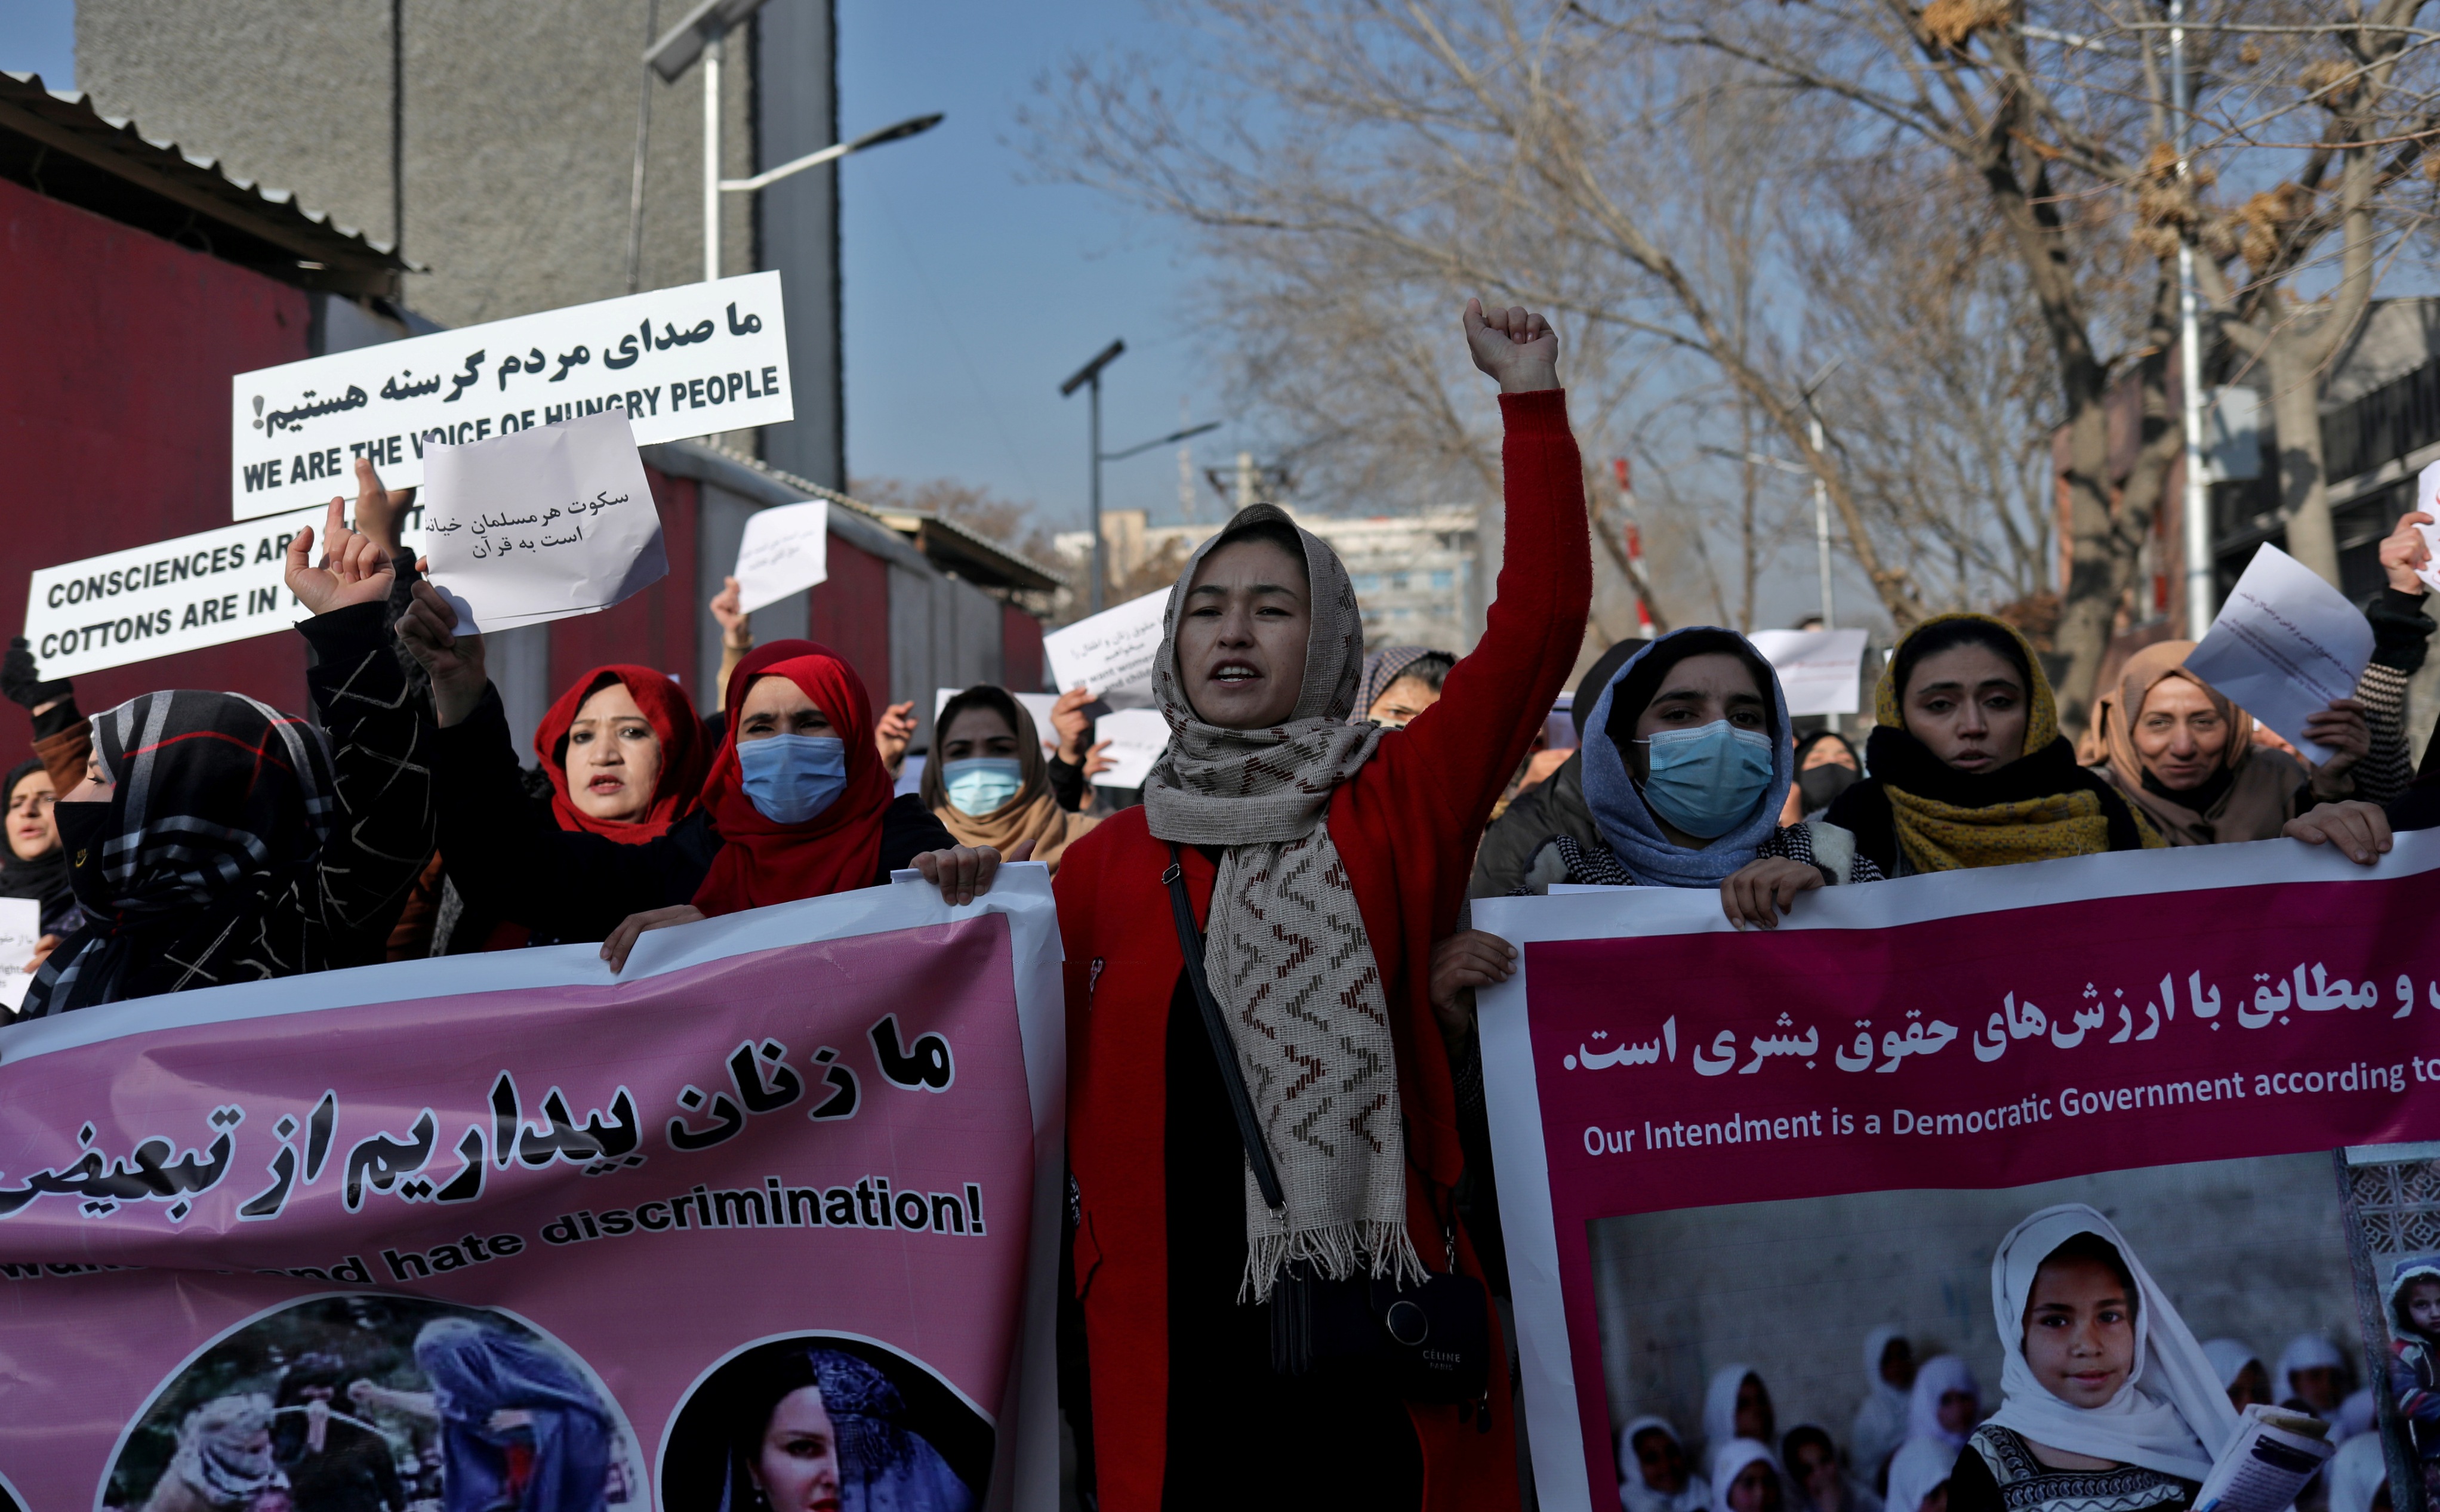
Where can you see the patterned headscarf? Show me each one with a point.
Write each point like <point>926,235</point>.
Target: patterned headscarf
<point>1381,668</point>
<point>219,806</point>
<point>1284,946</point>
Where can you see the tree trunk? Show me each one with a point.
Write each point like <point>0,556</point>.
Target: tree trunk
<point>2106,543</point>
<point>2303,492</point>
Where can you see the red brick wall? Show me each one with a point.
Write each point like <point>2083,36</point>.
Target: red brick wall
<point>1020,650</point>
<point>657,628</point>
<point>117,350</point>
<point>850,616</point>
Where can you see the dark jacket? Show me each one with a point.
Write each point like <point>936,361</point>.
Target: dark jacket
<point>513,861</point>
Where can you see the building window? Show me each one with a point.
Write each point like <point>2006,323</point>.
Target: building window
<point>1444,580</point>
<point>1398,582</point>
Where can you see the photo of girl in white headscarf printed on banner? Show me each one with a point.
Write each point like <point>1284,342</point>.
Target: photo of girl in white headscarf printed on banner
<point>825,1423</point>
<point>1957,1301</point>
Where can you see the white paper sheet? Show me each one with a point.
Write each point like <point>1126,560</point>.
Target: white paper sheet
<point>21,930</point>
<point>688,360</point>
<point>1820,669</point>
<point>1110,652</point>
<point>540,524</point>
<point>1136,738</point>
<point>785,549</point>
<point>2427,498</point>
<point>1037,704</point>
<point>2284,646</point>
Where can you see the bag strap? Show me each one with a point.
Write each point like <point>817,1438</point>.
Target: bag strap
<point>1189,944</point>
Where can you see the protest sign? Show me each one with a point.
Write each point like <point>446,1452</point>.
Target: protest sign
<point>540,524</point>
<point>1037,704</point>
<point>2284,646</point>
<point>202,590</point>
<point>1110,652</point>
<point>1818,669</point>
<point>1716,1146</point>
<point>21,930</point>
<point>2427,499</point>
<point>680,362</point>
<point>818,1144</point>
<point>785,549</point>
<point>1137,739</point>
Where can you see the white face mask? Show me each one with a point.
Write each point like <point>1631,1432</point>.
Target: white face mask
<point>983,785</point>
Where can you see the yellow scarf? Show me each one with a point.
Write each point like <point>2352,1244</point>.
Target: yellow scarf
<point>1943,837</point>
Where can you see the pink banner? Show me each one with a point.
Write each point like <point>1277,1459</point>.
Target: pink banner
<point>1974,1030</point>
<point>556,1242</point>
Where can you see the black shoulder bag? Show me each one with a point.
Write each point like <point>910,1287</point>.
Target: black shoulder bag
<point>1429,1342</point>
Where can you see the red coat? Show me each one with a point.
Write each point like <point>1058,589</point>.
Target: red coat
<point>1407,825</point>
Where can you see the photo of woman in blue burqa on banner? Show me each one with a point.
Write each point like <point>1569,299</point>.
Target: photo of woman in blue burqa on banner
<point>520,1428</point>
<point>813,1424</point>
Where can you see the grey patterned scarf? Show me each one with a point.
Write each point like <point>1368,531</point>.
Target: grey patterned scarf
<point>1286,947</point>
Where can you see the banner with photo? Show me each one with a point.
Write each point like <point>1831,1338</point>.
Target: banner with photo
<point>1794,1219</point>
<point>770,1219</point>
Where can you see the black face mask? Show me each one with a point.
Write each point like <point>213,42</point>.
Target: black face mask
<point>1821,785</point>
<point>85,828</point>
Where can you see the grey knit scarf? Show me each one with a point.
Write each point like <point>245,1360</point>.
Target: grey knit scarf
<point>1286,947</point>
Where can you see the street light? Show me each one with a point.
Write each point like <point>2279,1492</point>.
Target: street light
<point>1821,491</point>
<point>1091,374</point>
<point>703,34</point>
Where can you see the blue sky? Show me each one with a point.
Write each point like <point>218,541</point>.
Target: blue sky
<point>970,291</point>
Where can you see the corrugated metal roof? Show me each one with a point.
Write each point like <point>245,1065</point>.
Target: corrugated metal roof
<point>66,149</point>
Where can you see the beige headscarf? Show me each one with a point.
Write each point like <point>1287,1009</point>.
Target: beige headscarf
<point>2261,793</point>
<point>1285,947</point>
<point>1034,814</point>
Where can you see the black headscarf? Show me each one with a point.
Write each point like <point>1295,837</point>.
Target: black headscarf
<point>218,814</point>
<point>45,877</point>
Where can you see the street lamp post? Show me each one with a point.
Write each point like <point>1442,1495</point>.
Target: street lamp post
<point>1821,489</point>
<point>2197,501</point>
<point>703,34</point>
<point>1089,375</point>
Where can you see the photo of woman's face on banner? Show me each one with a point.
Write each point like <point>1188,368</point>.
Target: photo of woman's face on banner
<point>2069,1344</point>
<point>824,1423</point>
<point>378,1404</point>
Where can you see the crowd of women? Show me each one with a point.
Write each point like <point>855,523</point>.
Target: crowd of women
<point>1278,925</point>
<point>2106,1399</point>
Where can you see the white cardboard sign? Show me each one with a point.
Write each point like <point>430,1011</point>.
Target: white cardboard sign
<point>21,930</point>
<point>786,548</point>
<point>1137,739</point>
<point>2427,498</point>
<point>2284,646</point>
<point>1820,670</point>
<point>542,524</point>
<point>681,362</point>
<point>202,590</point>
<point>1111,652</point>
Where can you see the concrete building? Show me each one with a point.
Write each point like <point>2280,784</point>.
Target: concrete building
<point>142,278</point>
<point>497,147</point>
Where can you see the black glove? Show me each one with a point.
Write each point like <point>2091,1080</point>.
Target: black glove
<point>21,683</point>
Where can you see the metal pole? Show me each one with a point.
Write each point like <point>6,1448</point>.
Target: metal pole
<point>712,49</point>
<point>1821,527</point>
<point>2200,584</point>
<point>1100,565</point>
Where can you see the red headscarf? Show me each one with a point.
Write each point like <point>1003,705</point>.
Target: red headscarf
<point>685,751</point>
<point>840,847</point>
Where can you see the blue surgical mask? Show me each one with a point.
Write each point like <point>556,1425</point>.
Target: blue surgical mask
<point>982,785</point>
<point>792,778</point>
<point>1706,781</point>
